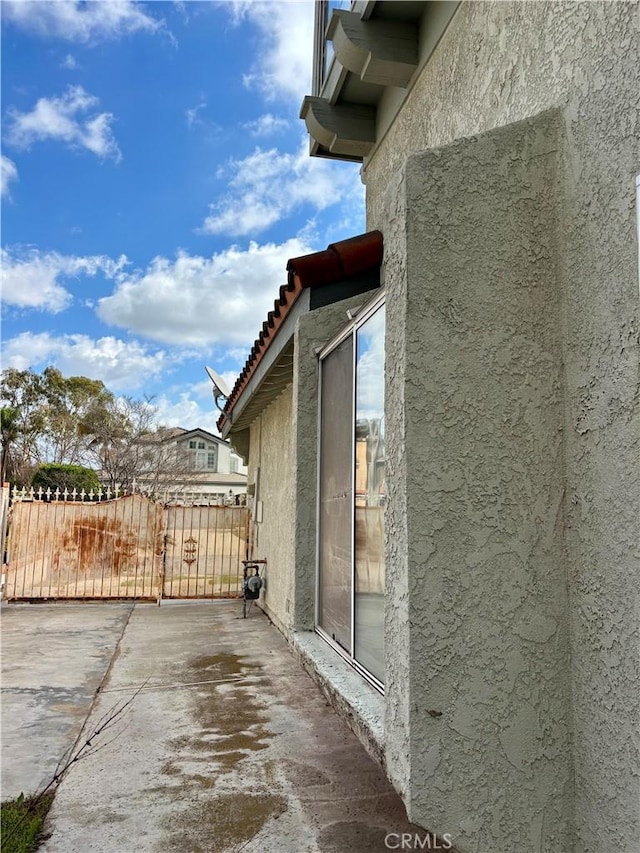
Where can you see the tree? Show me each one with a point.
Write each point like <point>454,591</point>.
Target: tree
<point>53,476</point>
<point>10,429</point>
<point>21,392</point>
<point>129,449</point>
<point>114,435</point>
<point>69,400</point>
<point>51,410</point>
<point>75,420</point>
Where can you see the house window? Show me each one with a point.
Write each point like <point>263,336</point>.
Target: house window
<point>205,460</point>
<point>351,569</point>
<point>233,465</point>
<point>323,49</point>
<point>192,445</point>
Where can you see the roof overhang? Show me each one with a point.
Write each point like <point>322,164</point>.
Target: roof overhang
<point>344,269</point>
<point>380,47</point>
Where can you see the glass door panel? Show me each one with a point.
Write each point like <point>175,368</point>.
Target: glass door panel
<point>369,497</point>
<point>335,532</point>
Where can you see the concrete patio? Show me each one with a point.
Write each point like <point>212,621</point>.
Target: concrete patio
<point>228,744</point>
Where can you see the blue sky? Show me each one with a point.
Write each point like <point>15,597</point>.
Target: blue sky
<point>155,180</point>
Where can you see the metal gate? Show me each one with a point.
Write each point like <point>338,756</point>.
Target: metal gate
<point>126,547</point>
<point>204,546</point>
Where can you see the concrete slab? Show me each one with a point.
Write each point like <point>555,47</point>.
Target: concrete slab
<point>54,657</point>
<point>228,746</point>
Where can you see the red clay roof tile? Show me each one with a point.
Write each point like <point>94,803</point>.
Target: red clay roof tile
<point>338,262</point>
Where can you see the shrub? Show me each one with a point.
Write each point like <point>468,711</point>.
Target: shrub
<point>54,476</point>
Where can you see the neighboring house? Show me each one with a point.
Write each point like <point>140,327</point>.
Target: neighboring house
<point>193,464</point>
<point>441,424</point>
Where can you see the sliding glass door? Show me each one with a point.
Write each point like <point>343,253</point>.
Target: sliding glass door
<point>335,523</point>
<point>351,571</point>
<point>369,496</point>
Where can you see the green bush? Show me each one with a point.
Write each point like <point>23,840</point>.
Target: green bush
<point>54,476</point>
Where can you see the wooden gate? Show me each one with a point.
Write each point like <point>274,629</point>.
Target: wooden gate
<point>126,547</point>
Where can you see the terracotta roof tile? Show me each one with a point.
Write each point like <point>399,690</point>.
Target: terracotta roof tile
<point>338,262</point>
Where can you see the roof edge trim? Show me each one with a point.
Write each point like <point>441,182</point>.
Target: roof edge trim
<point>338,262</point>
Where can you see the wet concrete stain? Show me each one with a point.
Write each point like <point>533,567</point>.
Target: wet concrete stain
<point>231,723</point>
<point>354,836</point>
<point>246,755</point>
<point>225,823</point>
<point>232,727</point>
<point>303,776</point>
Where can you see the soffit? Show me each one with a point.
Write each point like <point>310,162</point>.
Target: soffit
<point>273,384</point>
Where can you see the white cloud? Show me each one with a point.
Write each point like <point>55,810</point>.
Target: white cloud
<point>192,114</point>
<point>69,62</point>
<point>186,412</point>
<point>122,365</point>
<point>267,125</point>
<point>81,22</point>
<point>62,119</point>
<point>286,46</point>
<point>270,185</point>
<point>200,302</point>
<point>8,173</point>
<point>238,354</point>
<point>31,279</point>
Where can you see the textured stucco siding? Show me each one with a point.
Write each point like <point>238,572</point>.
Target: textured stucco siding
<point>500,62</point>
<point>601,356</point>
<point>397,582</point>
<point>568,364</point>
<point>484,443</point>
<point>271,450</point>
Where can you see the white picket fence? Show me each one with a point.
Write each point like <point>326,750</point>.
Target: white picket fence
<point>169,497</point>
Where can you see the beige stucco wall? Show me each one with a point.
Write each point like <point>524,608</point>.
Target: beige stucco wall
<point>566,369</point>
<point>271,450</point>
<point>500,62</point>
<point>482,393</point>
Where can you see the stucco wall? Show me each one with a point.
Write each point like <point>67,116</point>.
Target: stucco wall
<point>602,501</point>
<point>499,63</point>
<point>397,721</point>
<point>271,449</point>
<point>489,680</point>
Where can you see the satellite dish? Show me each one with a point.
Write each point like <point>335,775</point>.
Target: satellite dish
<point>219,386</point>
